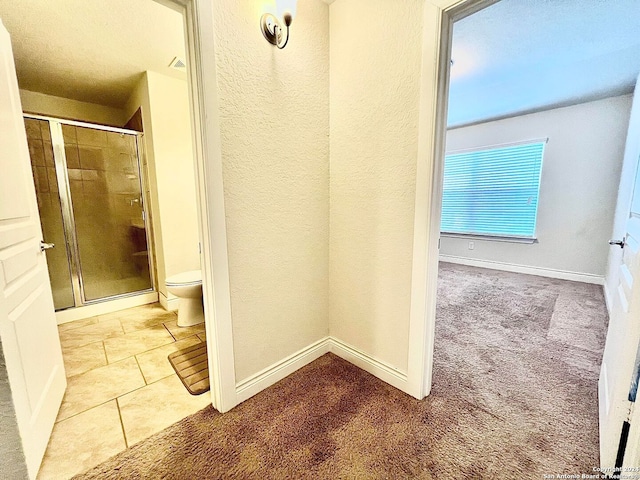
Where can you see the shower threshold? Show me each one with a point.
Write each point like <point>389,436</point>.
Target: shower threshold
<point>107,305</point>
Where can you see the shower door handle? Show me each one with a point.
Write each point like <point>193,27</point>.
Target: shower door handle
<point>46,246</point>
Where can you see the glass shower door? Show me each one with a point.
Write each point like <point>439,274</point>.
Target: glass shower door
<point>106,194</point>
<point>89,191</point>
<point>50,208</point>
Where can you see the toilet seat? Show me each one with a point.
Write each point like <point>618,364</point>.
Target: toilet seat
<point>194,277</point>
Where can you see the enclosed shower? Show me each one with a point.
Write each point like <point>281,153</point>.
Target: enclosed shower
<point>89,188</point>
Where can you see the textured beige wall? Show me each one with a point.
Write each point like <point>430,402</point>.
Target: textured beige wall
<point>580,174</point>
<point>168,141</point>
<point>175,172</point>
<point>52,106</point>
<point>375,72</point>
<point>274,114</point>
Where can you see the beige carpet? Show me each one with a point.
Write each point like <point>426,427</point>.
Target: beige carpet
<point>514,397</point>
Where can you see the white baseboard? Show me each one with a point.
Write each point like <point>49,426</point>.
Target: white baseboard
<point>279,370</point>
<point>103,308</point>
<point>511,267</point>
<point>170,304</point>
<point>384,372</point>
<point>256,383</point>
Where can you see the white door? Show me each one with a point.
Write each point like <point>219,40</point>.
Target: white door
<point>623,336</point>
<point>27,320</point>
<point>632,452</point>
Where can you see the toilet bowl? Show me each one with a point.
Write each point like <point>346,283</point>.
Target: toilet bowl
<point>187,286</point>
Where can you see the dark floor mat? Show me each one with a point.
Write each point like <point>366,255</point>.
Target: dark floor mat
<point>191,366</point>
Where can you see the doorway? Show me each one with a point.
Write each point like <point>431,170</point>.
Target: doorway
<point>582,351</point>
<point>192,99</point>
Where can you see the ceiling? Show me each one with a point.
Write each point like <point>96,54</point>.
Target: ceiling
<point>514,57</point>
<point>92,51</point>
<point>520,56</point>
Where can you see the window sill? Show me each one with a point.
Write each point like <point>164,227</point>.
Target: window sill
<point>491,238</point>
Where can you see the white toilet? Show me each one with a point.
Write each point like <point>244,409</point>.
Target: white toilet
<point>188,287</point>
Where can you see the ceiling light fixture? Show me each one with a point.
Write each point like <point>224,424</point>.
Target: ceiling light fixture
<point>272,27</point>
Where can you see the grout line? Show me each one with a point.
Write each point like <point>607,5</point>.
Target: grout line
<point>86,410</point>
<point>97,368</point>
<point>69,328</point>
<point>145,386</point>
<point>141,372</point>
<point>80,345</point>
<point>173,373</point>
<point>167,328</point>
<point>144,351</point>
<point>104,350</point>
<point>143,327</point>
<point>124,432</point>
<point>73,347</point>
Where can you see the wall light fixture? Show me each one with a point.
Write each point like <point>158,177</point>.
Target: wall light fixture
<point>273,29</point>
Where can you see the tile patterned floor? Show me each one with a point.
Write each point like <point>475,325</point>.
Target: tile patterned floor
<point>121,388</point>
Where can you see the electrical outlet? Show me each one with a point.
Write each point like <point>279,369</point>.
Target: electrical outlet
<point>472,245</point>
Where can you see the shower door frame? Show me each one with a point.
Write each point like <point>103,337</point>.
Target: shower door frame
<point>68,217</point>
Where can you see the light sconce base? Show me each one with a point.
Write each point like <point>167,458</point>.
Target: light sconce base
<point>274,31</point>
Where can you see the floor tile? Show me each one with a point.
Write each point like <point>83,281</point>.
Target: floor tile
<point>82,442</point>
<point>155,364</point>
<point>99,395</point>
<point>98,386</point>
<point>139,318</point>
<point>144,310</point>
<point>77,324</point>
<point>78,337</point>
<point>171,403</point>
<point>78,360</point>
<point>183,332</point>
<point>144,320</point>
<point>136,342</point>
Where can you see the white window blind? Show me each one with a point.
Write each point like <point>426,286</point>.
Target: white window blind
<point>493,191</point>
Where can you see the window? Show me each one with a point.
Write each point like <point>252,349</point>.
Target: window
<point>493,192</point>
